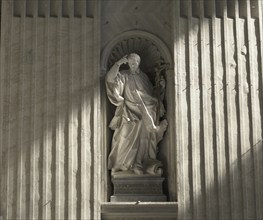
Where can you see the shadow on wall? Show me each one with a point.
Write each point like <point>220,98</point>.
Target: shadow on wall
<point>49,119</point>
<point>235,193</point>
<point>221,112</point>
<point>50,128</point>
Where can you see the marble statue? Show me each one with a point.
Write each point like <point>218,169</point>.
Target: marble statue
<point>136,123</point>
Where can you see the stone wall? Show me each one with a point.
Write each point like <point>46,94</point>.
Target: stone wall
<point>219,109</point>
<point>51,137</point>
<point>49,111</point>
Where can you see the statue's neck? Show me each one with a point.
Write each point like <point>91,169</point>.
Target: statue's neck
<point>135,72</point>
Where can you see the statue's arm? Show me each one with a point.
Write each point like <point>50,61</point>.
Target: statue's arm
<point>112,74</point>
<point>115,82</point>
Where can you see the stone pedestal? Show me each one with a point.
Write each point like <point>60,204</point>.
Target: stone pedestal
<point>133,188</point>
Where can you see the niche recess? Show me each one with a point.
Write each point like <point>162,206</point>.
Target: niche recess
<point>151,50</point>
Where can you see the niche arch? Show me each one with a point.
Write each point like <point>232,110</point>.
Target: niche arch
<point>134,40</point>
<point>151,50</point>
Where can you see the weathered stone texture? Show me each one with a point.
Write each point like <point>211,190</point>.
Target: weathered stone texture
<point>49,104</point>
<point>219,109</point>
<point>50,119</point>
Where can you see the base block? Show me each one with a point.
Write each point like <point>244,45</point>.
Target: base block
<point>133,188</point>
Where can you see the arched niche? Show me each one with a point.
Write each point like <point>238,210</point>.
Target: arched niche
<point>151,50</point>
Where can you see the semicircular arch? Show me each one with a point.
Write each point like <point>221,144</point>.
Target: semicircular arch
<point>151,49</point>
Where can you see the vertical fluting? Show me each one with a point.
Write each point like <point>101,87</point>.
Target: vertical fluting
<point>238,211</point>
<point>259,154</point>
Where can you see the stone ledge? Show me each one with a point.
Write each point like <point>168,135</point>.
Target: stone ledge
<point>141,198</point>
<point>142,210</point>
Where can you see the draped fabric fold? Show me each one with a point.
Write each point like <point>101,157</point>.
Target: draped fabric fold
<point>135,137</point>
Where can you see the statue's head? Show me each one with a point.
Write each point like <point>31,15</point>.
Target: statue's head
<point>134,61</point>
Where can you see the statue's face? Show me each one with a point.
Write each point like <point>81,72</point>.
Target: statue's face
<point>133,63</point>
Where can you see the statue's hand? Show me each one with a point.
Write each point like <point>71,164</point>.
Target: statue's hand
<point>162,83</point>
<point>162,110</point>
<point>123,60</point>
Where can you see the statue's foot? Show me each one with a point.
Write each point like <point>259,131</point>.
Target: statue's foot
<point>138,171</point>
<point>155,172</point>
<point>159,172</point>
<point>115,170</point>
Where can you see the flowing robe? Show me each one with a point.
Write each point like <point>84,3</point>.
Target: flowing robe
<point>135,138</point>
